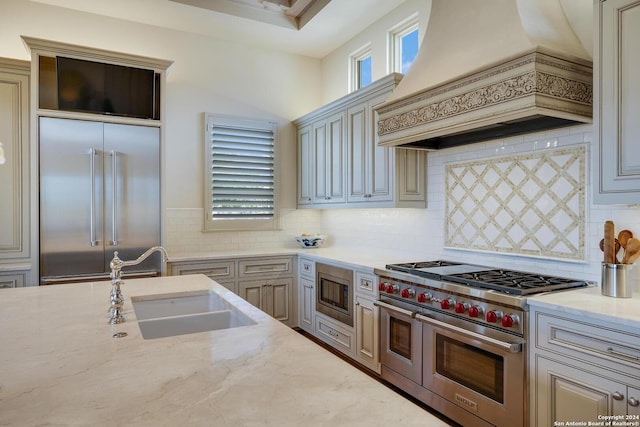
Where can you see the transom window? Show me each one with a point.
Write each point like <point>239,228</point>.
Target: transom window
<point>361,68</point>
<point>403,45</point>
<point>240,190</point>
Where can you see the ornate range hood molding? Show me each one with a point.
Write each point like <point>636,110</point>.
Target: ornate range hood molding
<point>502,79</point>
<point>538,90</point>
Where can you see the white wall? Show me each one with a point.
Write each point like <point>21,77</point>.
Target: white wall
<point>208,76</point>
<point>335,66</point>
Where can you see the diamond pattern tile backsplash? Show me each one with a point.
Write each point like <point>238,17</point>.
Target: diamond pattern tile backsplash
<point>531,204</point>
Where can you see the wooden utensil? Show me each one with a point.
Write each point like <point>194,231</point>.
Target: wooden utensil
<point>616,249</point>
<point>632,253</point>
<point>609,243</point>
<point>624,236</point>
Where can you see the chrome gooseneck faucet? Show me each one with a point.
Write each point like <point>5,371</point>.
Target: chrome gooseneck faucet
<point>117,300</point>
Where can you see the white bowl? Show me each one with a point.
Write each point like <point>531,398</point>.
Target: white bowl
<point>311,241</point>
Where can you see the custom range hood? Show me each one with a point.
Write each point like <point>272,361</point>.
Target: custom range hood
<point>489,69</point>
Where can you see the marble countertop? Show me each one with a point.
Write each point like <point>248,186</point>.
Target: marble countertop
<point>60,365</point>
<point>351,258</point>
<point>591,304</point>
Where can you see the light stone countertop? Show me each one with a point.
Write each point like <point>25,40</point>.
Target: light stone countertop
<point>361,258</point>
<point>591,304</point>
<point>60,365</point>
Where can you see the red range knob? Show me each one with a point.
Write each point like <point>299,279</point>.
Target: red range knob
<point>408,293</point>
<point>510,320</point>
<point>461,307</point>
<point>446,304</point>
<point>493,316</point>
<point>382,286</point>
<point>391,289</point>
<point>475,311</point>
<point>424,297</point>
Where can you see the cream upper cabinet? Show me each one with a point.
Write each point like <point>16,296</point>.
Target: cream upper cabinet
<point>14,172</point>
<point>306,171</point>
<point>616,148</point>
<point>328,155</point>
<point>340,164</point>
<point>370,166</point>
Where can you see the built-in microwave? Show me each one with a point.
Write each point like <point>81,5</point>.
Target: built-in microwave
<point>334,295</point>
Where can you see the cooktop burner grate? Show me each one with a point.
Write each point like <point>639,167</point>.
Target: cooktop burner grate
<point>514,282</point>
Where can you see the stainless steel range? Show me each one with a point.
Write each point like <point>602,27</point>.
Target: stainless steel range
<point>453,336</point>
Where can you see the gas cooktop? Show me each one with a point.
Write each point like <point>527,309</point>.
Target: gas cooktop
<point>507,281</point>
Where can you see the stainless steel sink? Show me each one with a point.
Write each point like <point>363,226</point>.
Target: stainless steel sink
<point>167,315</point>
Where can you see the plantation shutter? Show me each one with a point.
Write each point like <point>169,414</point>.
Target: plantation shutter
<point>242,169</point>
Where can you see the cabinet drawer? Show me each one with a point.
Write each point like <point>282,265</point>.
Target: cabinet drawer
<point>366,284</point>
<point>307,268</point>
<point>223,270</point>
<point>265,266</point>
<point>608,347</point>
<point>334,335</point>
<point>11,280</point>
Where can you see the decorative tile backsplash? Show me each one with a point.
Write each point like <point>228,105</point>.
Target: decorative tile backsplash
<point>531,204</point>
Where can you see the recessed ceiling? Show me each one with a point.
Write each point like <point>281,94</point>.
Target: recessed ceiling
<point>311,28</point>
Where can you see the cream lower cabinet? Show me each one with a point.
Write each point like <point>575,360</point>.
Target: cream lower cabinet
<point>367,333</point>
<point>14,279</point>
<point>265,282</point>
<point>616,142</point>
<point>223,272</point>
<point>273,296</point>
<point>582,370</point>
<point>306,295</point>
<point>367,320</point>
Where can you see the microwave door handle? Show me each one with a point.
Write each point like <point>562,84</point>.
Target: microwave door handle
<point>394,308</point>
<point>114,204</point>
<point>93,241</point>
<point>510,347</point>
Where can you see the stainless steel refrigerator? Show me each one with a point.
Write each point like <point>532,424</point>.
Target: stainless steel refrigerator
<point>99,193</point>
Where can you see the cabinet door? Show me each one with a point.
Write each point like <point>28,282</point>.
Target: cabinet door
<point>329,164</point>
<point>357,152</point>
<point>617,102</point>
<point>370,166</point>
<point>14,162</point>
<point>367,332</point>
<point>254,292</point>
<point>381,159</point>
<point>278,299</point>
<point>307,304</point>
<point>566,392</point>
<point>633,402</point>
<point>306,172</point>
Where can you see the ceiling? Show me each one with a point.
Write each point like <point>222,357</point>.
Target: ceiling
<point>306,27</point>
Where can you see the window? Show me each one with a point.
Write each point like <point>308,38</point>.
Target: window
<point>403,45</point>
<point>361,68</point>
<point>240,189</point>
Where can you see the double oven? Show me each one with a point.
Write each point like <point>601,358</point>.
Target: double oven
<point>457,347</point>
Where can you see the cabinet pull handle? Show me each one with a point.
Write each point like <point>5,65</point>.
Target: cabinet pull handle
<point>114,205</point>
<point>617,395</point>
<point>92,206</point>
<point>619,353</point>
<point>633,402</point>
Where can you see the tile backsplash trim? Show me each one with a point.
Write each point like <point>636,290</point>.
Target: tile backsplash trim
<point>530,205</point>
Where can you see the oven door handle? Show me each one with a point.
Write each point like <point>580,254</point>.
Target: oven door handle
<point>394,308</point>
<point>510,347</point>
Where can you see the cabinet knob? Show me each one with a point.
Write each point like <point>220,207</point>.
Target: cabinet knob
<point>633,401</point>
<point>617,395</point>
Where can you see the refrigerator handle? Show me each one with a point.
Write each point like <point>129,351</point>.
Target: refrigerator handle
<point>114,205</point>
<point>92,209</point>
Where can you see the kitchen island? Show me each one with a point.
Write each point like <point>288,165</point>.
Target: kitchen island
<point>61,365</point>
